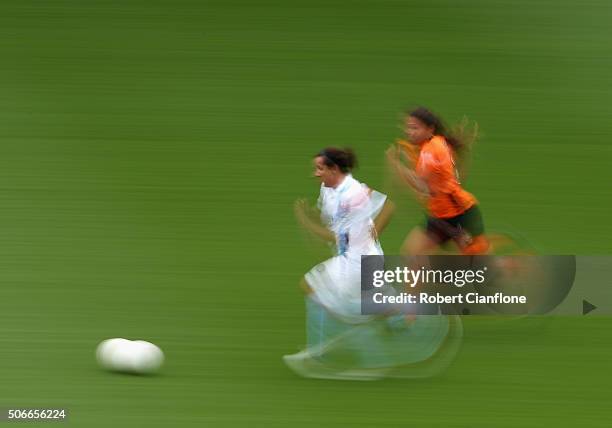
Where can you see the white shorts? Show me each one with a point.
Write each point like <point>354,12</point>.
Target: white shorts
<point>336,284</point>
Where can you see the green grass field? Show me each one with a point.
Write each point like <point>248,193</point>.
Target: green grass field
<point>150,153</point>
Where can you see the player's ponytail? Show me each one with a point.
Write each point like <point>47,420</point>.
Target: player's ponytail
<point>344,159</point>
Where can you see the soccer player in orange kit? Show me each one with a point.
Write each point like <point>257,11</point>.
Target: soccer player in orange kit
<point>430,169</point>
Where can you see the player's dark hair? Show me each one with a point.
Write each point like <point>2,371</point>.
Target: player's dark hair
<point>430,119</point>
<point>461,137</point>
<point>344,159</point>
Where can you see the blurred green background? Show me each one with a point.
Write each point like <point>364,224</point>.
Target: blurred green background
<point>150,153</point>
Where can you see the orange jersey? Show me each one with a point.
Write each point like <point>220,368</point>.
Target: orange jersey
<point>436,167</point>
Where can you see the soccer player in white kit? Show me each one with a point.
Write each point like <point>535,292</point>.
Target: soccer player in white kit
<point>341,342</point>
<point>348,211</point>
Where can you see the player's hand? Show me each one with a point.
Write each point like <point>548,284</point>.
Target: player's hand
<point>300,208</point>
<point>403,156</point>
<point>393,159</point>
<point>392,154</point>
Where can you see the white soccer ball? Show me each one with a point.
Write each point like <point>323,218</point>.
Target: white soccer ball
<point>106,349</point>
<point>129,356</point>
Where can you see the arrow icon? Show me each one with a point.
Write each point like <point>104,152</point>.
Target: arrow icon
<point>587,307</point>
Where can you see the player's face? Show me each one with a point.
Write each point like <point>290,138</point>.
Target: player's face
<point>327,175</point>
<point>416,131</point>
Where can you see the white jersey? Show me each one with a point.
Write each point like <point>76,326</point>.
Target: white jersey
<point>348,211</point>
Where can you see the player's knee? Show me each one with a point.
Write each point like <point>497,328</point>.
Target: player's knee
<point>418,242</point>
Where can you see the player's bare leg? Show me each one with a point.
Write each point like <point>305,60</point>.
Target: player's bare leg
<point>418,242</point>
